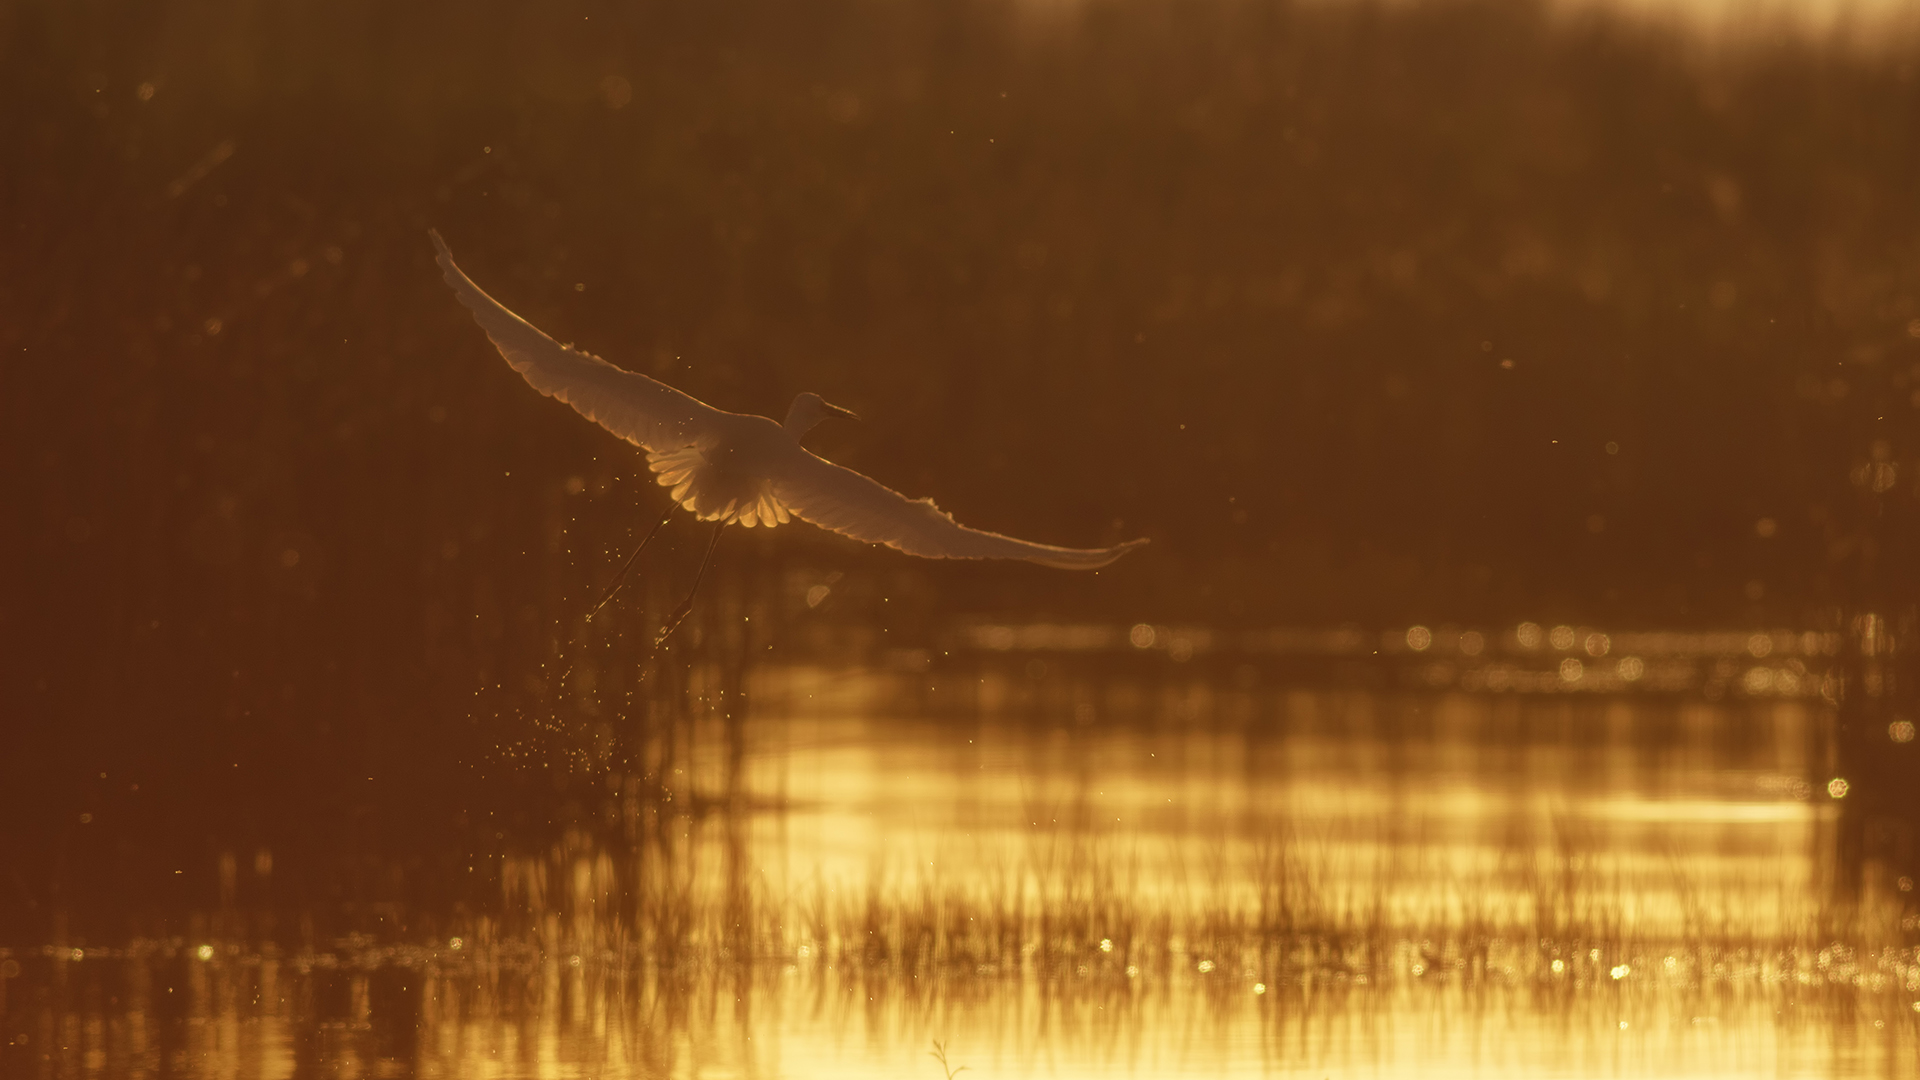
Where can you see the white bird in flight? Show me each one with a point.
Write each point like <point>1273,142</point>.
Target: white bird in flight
<point>728,467</point>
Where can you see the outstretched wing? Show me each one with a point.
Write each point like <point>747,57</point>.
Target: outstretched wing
<point>837,498</point>
<point>643,411</point>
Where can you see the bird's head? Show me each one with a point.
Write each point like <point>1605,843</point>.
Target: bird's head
<point>809,409</point>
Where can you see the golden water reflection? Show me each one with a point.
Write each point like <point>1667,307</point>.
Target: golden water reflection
<point>1278,882</point>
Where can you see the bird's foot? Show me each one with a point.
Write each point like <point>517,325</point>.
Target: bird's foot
<point>673,622</point>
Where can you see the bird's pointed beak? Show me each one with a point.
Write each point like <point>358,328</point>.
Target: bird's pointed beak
<point>838,411</point>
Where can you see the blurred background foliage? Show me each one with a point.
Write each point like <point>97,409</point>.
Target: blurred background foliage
<point>1472,311</point>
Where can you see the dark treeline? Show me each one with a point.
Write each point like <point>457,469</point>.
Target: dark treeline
<point>1363,312</point>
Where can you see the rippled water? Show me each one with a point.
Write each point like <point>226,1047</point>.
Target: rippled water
<point>1086,871</point>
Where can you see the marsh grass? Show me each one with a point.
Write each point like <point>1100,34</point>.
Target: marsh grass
<point>631,969</point>
<point>683,863</point>
<point>662,929</point>
<point>1068,907</point>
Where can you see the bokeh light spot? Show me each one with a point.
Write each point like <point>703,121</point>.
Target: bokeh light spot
<point>616,91</point>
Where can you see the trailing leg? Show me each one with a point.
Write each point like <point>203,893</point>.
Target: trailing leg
<point>628,565</point>
<point>680,613</point>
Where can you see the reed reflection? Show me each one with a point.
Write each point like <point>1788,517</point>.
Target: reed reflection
<point>1193,874</point>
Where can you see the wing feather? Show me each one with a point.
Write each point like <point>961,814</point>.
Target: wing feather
<point>648,413</point>
<point>837,498</point>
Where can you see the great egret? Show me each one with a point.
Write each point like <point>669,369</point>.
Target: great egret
<point>729,467</point>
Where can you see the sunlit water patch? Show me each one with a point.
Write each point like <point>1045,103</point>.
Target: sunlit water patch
<point>1220,879</point>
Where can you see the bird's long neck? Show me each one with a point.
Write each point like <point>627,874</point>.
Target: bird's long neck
<point>802,416</point>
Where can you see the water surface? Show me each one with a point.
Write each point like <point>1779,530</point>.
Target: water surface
<point>1182,874</point>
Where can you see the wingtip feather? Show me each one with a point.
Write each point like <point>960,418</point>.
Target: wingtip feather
<point>1086,558</point>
